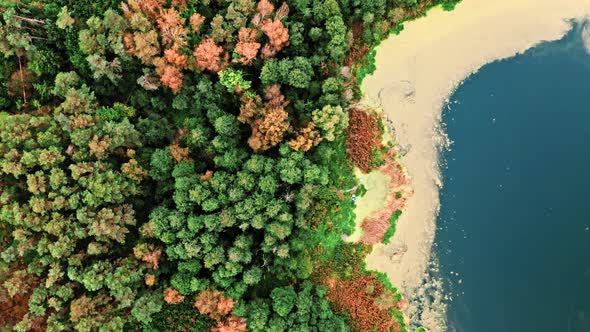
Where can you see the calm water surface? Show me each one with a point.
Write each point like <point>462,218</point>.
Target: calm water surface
<point>514,226</point>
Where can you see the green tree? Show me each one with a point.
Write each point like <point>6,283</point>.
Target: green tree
<point>331,120</point>
<point>283,300</point>
<point>337,32</point>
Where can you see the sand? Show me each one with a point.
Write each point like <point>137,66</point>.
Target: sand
<point>416,72</point>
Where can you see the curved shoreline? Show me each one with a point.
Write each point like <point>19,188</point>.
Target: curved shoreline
<point>416,72</point>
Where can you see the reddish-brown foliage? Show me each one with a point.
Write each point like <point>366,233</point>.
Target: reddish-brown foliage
<point>207,176</point>
<point>269,130</point>
<point>360,48</point>
<point>247,47</point>
<point>133,170</point>
<point>278,37</point>
<point>196,20</point>
<point>149,254</point>
<point>274,97</point>
<point>179,3</point>
<point>208,55</point>
<point>247,34</point>
<point>179,153</point>
<point>206,301</point>
<point>160,42</point>
<point>127,12</point>
<point>150,279</point>
<point>357,296</point>
<point>168,27</point>
<point>146,45</point>
<point>175,58</point>
<point>174,36</point>
<point>362,136</point>
<point>150,7</point>
<point>249,109</point>
<point>172,296</point>
<point>231,324</point>
<point>172,28</point>
<point>268,121</point>
<point>168,17</point>
<point>13,309</point>
<point>152,258</point>
<point>265,8</point>
<point>128,42</point>
<point>214,304</point>
<point>172,78</point>
<point>375,225</point>
<point>248,51</point>
<point>225,305</point>
<point>130,153</point>
<point>355,293</point>
<point>306,138</point>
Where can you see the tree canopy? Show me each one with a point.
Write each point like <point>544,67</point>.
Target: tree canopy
<point>177,165</point>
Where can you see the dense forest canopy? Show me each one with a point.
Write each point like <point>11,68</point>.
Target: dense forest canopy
<point>174,165</point>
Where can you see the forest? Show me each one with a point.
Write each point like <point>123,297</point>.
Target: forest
<point>178,165</point>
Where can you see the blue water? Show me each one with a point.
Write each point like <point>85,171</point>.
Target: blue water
<point>514,226</point>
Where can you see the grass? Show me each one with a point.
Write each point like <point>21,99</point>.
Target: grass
<point>391,230</point>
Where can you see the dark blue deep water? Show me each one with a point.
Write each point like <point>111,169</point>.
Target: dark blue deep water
<point>513,234</point>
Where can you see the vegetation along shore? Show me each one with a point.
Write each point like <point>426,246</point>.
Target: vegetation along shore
<point>416,71</point>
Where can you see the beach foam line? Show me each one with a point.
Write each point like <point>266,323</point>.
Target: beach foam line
<point>430,57</point>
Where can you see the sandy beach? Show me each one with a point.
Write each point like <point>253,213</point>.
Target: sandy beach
<point>416,72</point>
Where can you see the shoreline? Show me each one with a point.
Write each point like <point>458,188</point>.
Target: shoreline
<point>428,61</point>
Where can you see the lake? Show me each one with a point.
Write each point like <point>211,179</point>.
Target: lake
<point>513,237</point>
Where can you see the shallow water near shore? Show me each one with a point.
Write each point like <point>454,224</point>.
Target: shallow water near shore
<point>513,232</point>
